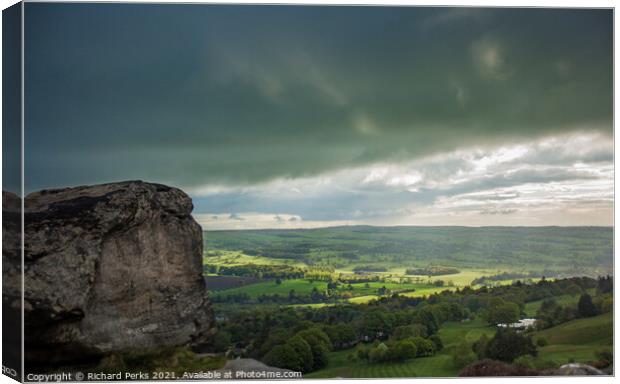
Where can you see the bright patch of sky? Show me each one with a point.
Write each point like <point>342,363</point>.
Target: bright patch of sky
<point>556,180</point>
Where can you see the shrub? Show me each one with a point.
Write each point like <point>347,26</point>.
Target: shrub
<point>402,350</point>
<point>175,359</point>
<point>295,355</point>
<point>605,354</point>
<point>508,344</point>
<point>531,362</point>
<point>378,353</point>
<point>605,358</point>
<point>221,341</point>
<point>436,340</point>
<point>503,312</point>
<point>489,367</point>
<point>341,335</point>
<point>424,347</point>
<point>405,331</point>
<point>542,341</point>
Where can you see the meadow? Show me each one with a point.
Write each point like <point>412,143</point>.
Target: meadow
<point>309,271</point>
<point>574,341</point>
<point>544,250</point>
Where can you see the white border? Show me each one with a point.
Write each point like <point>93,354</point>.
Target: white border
<point>478,3</point>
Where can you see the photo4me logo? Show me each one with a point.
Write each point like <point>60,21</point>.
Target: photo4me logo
<point>9,371</point>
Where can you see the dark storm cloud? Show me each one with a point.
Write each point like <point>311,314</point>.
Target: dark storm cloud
<point>193,95</point>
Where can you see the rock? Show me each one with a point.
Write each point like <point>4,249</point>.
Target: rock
<point>243,369</point>
<point>110,268</point>
<point>578,369</point>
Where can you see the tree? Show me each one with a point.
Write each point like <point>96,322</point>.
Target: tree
<point>436,340</point>
<point>507,345</point>
<point>277,336</point>
<point>403,350</point>
<point>406,331</point>
<point>427,317</point>
<point>549,314</point>
<point>424,346</point>
<point>221,341</point>
<point>283,356</point>
<point>341,335</point>
<point>585,307</point>
<point>505,312</point>
<point>278,281</point>
<point>303,353</point>
<point>319,346</point>
<point>605,285</point>
<point>378,353</point>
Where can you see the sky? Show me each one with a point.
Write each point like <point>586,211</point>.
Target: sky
<point>311,116</point>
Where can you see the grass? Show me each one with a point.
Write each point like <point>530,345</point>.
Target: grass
<point>340,366</point>
<point>230,258</point>
<point>362,292</point>
<point>577,340</point>
<point>440,365</point>
<point>532,307</point>
<point>573,250</point>
<point>593,330</point>
<point>453,333</point>
<point>301,287</point>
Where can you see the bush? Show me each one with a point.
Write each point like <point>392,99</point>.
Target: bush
<point>605,359</point>
<point>175,359</point>
<point>508,344</point>
<point>295,355</point>
<point>402,350</point>
<point>424,347</point>
<point>436,340</point>
<point>221,341</point>
<point>531,362</point>
<point>341,335</point>
<point>489,367</point>
<point>542,341</point>
<point>406,331</point>
<point>378,354</point>
<point>605,354</point>
<point>503,312</point>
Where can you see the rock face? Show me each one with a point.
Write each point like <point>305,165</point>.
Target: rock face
<point>578,369</point>
<point>111,268</point>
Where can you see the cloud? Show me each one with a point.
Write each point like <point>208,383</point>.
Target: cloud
<point>490,58</point>
<point>256,220</point>
<point>554,175</point>
<point>231,96</point>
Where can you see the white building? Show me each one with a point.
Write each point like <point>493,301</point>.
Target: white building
<point>521,324</point>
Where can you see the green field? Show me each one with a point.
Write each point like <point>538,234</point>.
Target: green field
<point>532,307</point>
<point>230,258</point>
<point>340,366</point>
<point>367,291</point>
<point>577,340</point>
<point>304,261</point>
<point>561,250</point>
<point>301,287</point>
<point>440,365</point>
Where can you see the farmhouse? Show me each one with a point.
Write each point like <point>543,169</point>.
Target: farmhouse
<point>521,324</point>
